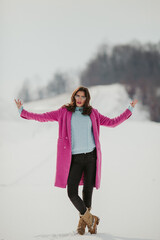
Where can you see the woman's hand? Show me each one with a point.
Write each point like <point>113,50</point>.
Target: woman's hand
<point>19,104</point>
<point>133,103</point>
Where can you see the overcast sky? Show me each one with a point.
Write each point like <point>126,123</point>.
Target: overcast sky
<point>39,37</point>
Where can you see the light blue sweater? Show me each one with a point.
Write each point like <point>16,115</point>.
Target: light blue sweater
<point>81,131</point>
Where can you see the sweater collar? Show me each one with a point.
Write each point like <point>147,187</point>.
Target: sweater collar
<point>79,109</point>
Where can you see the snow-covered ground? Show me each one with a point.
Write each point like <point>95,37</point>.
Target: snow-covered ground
<point>128,201</point>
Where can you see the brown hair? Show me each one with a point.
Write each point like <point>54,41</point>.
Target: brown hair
<point>87,108</point>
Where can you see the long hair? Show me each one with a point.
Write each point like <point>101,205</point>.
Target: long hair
<point>87,108</point>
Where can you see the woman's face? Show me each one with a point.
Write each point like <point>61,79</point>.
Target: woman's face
<point>80,98</point>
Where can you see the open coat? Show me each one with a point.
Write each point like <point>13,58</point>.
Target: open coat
<point>64,153</point>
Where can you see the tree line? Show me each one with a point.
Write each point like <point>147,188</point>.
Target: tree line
<point>135,65</point>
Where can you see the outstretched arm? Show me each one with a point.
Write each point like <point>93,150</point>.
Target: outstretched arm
<point>113,122</point>
<point>42,117</point>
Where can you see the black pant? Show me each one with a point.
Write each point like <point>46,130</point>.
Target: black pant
<point>82,162</point>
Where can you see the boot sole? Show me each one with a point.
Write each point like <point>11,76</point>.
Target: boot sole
<point>81,232</point>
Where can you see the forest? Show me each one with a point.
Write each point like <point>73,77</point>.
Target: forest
<point>135,65</point>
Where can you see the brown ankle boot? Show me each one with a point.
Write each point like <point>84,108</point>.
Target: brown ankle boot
<point>91,221</point>
<point>82,225</point>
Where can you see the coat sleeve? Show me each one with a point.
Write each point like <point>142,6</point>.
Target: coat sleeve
<point>113,122</point>
<point>42,117</point>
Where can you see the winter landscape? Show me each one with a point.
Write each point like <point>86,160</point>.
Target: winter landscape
<point>128,201</point>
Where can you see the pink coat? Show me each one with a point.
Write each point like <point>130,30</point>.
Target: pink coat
<point>64,154</point>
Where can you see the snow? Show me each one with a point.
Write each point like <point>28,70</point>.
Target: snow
<point>128,201</point>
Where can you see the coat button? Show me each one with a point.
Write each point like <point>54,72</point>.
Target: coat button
<point>64,147</point>
<point>66,137</point>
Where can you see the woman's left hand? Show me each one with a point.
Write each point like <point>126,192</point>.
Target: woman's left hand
<point>133,103</point>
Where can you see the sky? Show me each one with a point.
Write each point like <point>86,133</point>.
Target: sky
<point>40,37</point>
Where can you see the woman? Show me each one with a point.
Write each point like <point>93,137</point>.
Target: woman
<point>79,150</point>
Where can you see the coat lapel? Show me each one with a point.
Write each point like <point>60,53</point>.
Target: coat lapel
<point>69,115</point>
<point>93,124</point>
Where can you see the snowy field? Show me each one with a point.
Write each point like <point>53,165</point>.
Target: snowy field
<point>128,201</point>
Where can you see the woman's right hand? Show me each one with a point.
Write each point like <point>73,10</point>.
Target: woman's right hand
<point>19,104</point>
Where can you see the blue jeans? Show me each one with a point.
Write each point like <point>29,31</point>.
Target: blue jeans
<point>82,162</point>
